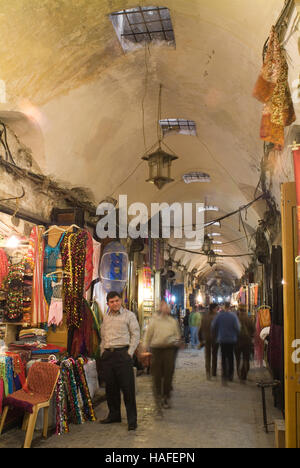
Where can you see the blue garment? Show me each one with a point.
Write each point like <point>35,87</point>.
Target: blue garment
<point>226,327</point>
<point>51,256</point>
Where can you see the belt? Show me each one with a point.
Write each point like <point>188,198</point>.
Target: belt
<point>112,350</point>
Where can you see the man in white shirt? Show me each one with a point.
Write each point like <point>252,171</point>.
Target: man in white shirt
<point>120,336</point>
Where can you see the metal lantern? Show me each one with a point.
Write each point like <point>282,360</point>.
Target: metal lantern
<point>207,245</point>
<point>160,164</point>
<point>211,258</point>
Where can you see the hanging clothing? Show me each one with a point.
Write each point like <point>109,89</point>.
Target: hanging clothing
<point>4,266</point>
<point>272,88</point>
<point>56,306</point>
<point>88,262</point>
<point>36,257</point>
<point>51,256</point>
<point>96,259</point>
<point>73,259</point>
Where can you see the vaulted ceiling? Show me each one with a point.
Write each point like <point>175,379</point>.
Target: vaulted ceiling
<point>65,70</point>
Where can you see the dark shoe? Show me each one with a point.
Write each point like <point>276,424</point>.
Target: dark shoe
<point>132,427</point>
<point>110,421</point>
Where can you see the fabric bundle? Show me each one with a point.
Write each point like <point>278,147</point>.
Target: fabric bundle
<point>273,90</point>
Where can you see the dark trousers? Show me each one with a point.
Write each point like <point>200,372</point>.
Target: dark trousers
<point>187,334</point>
<point>242,354</point>
<point>117,368</point>
<point>163,366</point>
<point>211,358</point>
<point>227,360</point>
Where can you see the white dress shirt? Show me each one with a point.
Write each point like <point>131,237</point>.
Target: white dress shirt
<point>120,330</point>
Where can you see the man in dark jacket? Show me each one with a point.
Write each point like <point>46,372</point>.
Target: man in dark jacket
<point>227,327</point>
<point>211,346</point>
<point>244,344</point>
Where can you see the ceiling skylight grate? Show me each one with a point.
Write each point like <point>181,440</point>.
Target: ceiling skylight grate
<point>143,24</point>
<point>181,126</point>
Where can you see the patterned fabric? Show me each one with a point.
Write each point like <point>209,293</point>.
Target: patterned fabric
<point>88,262</point>
<point>273,90</point>
<point>4,266</point>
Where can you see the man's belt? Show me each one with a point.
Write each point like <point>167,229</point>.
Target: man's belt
<point>112,350</point>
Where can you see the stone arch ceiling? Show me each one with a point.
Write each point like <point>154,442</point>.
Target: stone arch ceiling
<point>64,68</point>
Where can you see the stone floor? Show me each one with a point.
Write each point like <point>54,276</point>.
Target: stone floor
<point>204,415</point>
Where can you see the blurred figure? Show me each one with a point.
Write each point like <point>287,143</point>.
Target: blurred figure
<point>206,335</point>
<point>226,327</point>
<point>244,344</point>
<point>195,323</point>
<point>186,326</point>
<point>163,337</point>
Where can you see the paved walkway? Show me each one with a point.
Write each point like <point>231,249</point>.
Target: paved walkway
<point>205,415</point>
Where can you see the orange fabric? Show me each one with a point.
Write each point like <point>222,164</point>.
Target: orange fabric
<point>264,318</point>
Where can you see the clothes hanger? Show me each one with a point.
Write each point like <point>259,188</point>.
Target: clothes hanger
<point>64,273</point>
<point>54,227</point>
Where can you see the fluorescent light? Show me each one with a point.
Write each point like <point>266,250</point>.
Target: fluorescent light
<point>217,242</point>
<point>218,250</point>
<point>208,208</point>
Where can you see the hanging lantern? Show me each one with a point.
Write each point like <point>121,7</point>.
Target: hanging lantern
<point>211,258</point>
<point>160,164</point>
<point>207,245</point>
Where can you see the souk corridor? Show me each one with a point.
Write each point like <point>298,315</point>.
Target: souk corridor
<point>204,415</point>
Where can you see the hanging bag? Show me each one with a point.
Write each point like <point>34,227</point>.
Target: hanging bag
<point>264,317</point>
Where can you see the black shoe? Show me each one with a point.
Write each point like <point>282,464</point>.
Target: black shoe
<point>132,427</point>
<point>110,421</point>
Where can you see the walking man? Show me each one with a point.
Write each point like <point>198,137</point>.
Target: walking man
<point>244,344</point>
<point>120,336</point>
<point>195,323</point>
<point>226,327</point>
<point>163,338</point>
<point>211,346</point>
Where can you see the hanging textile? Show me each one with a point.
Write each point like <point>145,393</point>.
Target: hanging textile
<point>4,266</point>
<point>51,256</point>
<point>72,392</point>
<point>73,259</point>
<point>296,153</point>
<point>272,88</point>
<point>89,262</point>
<point>96,259</point>
<point>15,295</point>
<point>35,256</point>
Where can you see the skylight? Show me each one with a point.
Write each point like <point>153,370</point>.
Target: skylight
<point>138,25</point>
<point>179,126</point>
<point>194,177</point>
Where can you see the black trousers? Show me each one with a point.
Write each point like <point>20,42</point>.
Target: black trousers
<point>211,358</point>
<point>242,354</point>
<point>117,368</point>
<point>163,368</point>
<point>227,350</point>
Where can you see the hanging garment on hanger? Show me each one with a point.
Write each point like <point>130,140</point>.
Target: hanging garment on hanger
<point>36,257</point>
<point>73,259</point>
<point>51,255</point>
<point>4,266</point>
<point>56,306</point>
<point>88,262</point>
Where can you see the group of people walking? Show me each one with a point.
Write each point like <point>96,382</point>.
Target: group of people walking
<point>120,338</point>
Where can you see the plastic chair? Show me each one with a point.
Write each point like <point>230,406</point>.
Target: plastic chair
<point>35,395</point>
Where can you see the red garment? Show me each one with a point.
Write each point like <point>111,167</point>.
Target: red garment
<point>4,266</point>
<point>89,268</point>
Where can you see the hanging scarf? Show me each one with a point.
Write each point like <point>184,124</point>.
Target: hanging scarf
<point>4,267</point>
<point>73,259</point>
<point>272,88</point>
